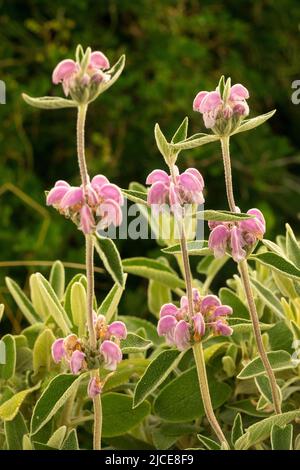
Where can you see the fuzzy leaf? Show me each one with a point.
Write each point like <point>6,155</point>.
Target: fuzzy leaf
<point>49,102</point>
<point>268,298</point>
<point>42,351</point>
<point>110,304</point>
<point>282,437</point>
<point>52,399</point>
<point>14,432</point>
<point>189,406</point>
<point>10,408</point>
<point>196,248</point>
<point>279,264</point>
<point>194,141</point>
<point>110,257</point>
<point>237,429</point>
<point>78,307</point>
<point>137,197</point>
<point>249,124</point>
<point>57,278</point>
<point>181,132</point>
<point>118,415</point>
<point>279,360</point>
<point>222,216</point>
<point>261,430</point>
<point>22,301</point>
<point>8,346</point>
<point>155,374</point>
<point>134,343</point>
<point>161,142</point>
<point>153,269</point>
<point>71,441</point>
<point>292,246</point>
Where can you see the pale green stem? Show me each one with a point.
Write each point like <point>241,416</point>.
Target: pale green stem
<point>197,348</point>
<point>89,251</point>
<point>243,268</point>
<point>244,271</point>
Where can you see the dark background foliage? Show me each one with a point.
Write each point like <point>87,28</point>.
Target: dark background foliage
<point>174,49</point>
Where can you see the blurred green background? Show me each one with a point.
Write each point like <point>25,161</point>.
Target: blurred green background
<point>174,49</point>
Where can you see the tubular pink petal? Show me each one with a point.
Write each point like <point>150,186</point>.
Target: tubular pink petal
<point>196,295</point>
<point>166,325</point>
<point>168,309</point>
<point>94,387</point>
<point>111,353</point>
<point>111,191</point>
<point>238,92</point>
<point>87,221</point>
<point>184,304</point>
<point>99,60</point>
<point>209,303</point>
<point>197,175</point>
<point>210,102</point>
<point>158,175</point>
<point>198,100</point>
<point>241,108</point>
<point>118,329</point>
<point>237,243</point>
<point>98,181</point>
<point>218,239</point>
<point>222,311</point>
<point>190,182</point>
<point>64,70</point>
<point>182,335</point>
<point>73,197</point>
<point>199,325</point>
<point>110,213</point>
<point>58,350</point>
<point>157,193</point>
<point>56,194</point>
<point>62,183</point>
<point>77,361</point>
<point>222,328</point>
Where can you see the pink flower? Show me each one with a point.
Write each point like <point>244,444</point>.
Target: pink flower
<point>94,387</point>
<point>239,238</point>
<point>186,188</point>
<point>58,350</point>
<point>57,193</point>
<point>182,330</point>
<point>87,222</point>
<point>182,335</point>
<point>98,204</point>
<point>111,353</point>
<point>70,73</point>
<point>213,106</point>
<point>222,328</point>
<point>77,361</point>
<point>117,329</point>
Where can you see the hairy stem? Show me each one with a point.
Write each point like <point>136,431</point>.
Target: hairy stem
<point>227,172</point>
<point>243,268</point>
<point>197,348</point>
<point>203,384</point>
<point>89,253</point>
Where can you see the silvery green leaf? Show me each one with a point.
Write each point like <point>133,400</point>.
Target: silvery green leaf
<point>181,132</point>
<point>161,142</point>
<point>49,102</point>
<point>194,141</point>
<point>114,73</point>
<point>249,124</point>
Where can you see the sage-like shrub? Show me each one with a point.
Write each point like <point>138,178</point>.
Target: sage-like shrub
<point>207,369</point>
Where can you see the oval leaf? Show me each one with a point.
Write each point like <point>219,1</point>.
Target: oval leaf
<point>279,360</point>
<point>110,257</point>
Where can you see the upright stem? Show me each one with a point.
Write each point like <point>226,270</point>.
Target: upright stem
<point>197,348</point>
<point>203,384</point>
<point>244,271</point>
<point>243,268</point>
<point>89,253</point>
<point>227,172</point>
